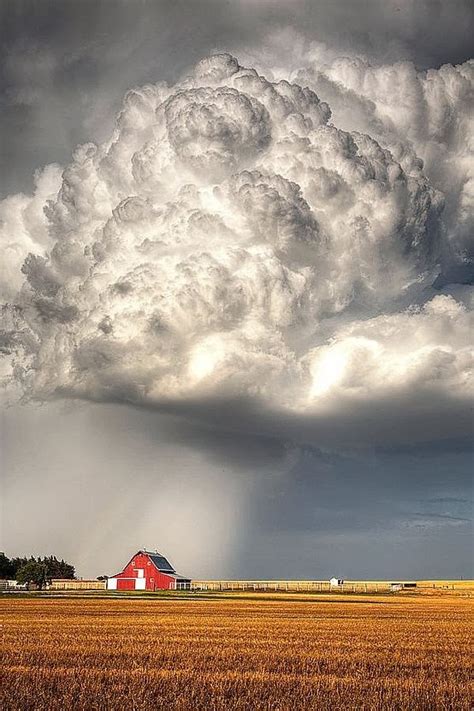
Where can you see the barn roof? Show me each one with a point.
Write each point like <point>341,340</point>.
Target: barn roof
<point>160,562</point>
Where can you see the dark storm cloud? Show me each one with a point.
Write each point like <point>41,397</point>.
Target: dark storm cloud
<point>235,448</point>
<point>422,421</point>
<point>332,492</point>
<point>122,478</point>
<point>382,515</point>
<point>311,512</point>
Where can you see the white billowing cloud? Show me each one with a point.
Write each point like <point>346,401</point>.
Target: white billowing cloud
<point>417,115</point>
<point>428,349</point>
<point>24,228</point>
<point>231,242</point>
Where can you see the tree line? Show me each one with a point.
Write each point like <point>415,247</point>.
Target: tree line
<point>38,571</point>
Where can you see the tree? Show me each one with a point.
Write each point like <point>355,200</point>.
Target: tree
<point>54,568</point>
<point>7,569</point>
<point>32,572</point>
<point>58,568</point>
<point>17,563</point>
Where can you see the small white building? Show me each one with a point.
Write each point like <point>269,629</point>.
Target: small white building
<point>336,582</point>
<point>402,585</point>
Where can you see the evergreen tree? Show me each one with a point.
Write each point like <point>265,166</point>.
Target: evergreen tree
<point>54,568</point>
<point>7,569</point>
<point>58,568</point>
<point>32,572</point>
<point>18,562</point>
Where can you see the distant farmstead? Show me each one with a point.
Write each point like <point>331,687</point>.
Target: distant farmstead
<point>148,570</point>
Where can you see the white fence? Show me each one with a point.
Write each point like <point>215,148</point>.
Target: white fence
<point>12,585</point>
<point>290,586</point>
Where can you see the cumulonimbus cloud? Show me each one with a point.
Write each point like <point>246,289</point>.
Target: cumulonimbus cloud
<point>231,242</point>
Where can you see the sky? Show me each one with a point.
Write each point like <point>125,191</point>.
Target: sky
<point>237,285</point>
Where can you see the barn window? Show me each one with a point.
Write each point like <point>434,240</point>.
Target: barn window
<point>133,562</point>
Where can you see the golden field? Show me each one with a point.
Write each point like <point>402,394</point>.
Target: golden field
<point>236,652</point>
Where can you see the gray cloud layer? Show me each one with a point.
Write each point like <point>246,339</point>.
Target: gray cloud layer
<point>108,479</point>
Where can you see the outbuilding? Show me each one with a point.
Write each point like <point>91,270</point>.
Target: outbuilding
<point>148,570</point>
<point>402,585</point>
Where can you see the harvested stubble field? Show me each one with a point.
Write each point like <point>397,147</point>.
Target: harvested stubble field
<point>260,652</point>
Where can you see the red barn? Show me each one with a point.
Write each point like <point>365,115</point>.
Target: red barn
<point>148,570</point>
